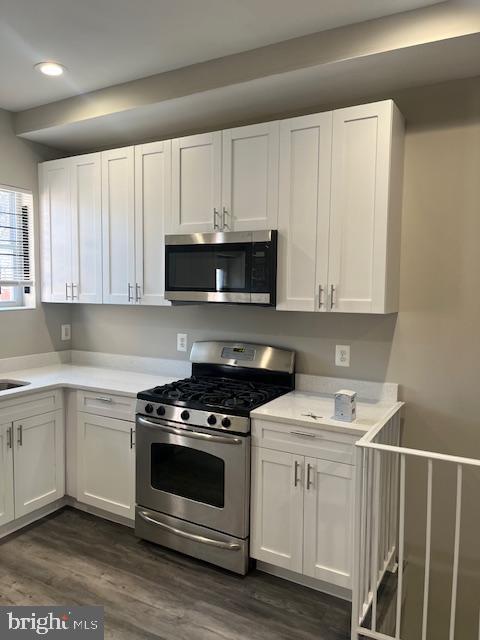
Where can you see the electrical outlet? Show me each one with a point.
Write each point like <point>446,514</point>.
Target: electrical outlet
<point>182,339</point>
<point>342,355</point>
<point>66,331</point>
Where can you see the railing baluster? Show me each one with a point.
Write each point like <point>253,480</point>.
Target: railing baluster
<point>428,540</point>
<point>456,550</point>
<point>377,509</point>
<point>401,542</point>
<point>358,551</point>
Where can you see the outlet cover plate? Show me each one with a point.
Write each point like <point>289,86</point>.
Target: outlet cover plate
<point>182,339</point>
<point>66,331</point>
<point>342,355</point>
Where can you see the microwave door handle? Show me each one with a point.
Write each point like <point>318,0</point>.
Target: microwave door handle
<point>188,433</point>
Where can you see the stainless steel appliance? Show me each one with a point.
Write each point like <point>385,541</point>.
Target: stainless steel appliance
<point>237,266</point>
<point>193,450</point>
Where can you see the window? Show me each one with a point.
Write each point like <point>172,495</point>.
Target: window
<point>16,269</point>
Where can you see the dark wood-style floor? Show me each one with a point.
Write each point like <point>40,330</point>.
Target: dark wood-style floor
<point>149,592</point>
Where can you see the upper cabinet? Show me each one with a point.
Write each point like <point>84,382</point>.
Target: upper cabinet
<point>70,196</point>
<point>196,184</point>
<point>118,218</point>
<point>330,182</point>
<point>340,208</point>
<point>225,181</point>
<point>152,202</point>
<point>304,212</point>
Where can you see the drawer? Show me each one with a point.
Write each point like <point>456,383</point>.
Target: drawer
<point>30,405</point>
<point>107,404</point>
<point>314,442</point>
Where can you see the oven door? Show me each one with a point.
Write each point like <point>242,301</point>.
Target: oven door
<point>194,474</point>
<point>233,267</point>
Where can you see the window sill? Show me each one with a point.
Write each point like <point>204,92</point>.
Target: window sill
<point>14,308</point>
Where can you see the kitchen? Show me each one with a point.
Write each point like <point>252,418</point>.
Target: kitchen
<point>184,236</point>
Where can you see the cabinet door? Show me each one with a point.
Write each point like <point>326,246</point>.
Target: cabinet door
<point>56,237</point>
<point>328,521</point>
<point>196,183</point>
<point>118,220</point>
<point>106,464</point>
<point>6,474</point>
<point>39,461</point>
<point>86,207</point>
<point>304,212</point>
<point>152,202</point>
<point>250,177</point>
<point>277,508</point>
<point>362,139</point>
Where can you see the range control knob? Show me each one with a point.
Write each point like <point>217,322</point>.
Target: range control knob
<point>161,410</point>
<point>226,422</point>
<point>185,415</point>
<point>148,408</point>
<point>211,419</point>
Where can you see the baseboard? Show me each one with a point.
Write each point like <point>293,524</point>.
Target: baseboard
<point>100,513</point>
<point>24,521</point>
<point>305,581</point>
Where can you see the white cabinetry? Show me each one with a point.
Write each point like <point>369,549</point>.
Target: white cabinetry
<point>304,212</point>
<point>106,454</point>
<point>349,200</point>
<point>196,183</point>
<point>302,501</point>
<point>70,196</point>
<point>118,216</point>
<point>39,475</point>
<point>152,202</point>
<point>277,508</point>
<point>32,453</point>
<point>226,180</point>
<point>7,512</point>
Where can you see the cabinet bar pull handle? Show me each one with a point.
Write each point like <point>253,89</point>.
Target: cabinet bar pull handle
<point>132,443</point>
<point>67,297</point>
<point>9,437</point>
<point>332,296</point>
<point>309,480</point>
<point>20,435</point>
<point>103,399</point>
<point>224,215</point>
<point>320,296</point>
<point>215,214</point>
<point>138,293</point>
<point>296,479</point>
<point>73,285</point>
<point>130,297</point>
<point>303,435</point>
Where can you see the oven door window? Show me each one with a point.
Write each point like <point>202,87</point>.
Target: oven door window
<point>224,267</point>
<point>189,473</point>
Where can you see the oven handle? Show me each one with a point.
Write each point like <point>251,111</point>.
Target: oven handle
<point>188,433</point>
<point>229,546</point>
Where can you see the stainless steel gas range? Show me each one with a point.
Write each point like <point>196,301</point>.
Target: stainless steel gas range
<point>193,450</point>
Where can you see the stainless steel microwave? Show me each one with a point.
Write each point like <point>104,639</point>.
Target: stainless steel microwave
<point>234,267</point>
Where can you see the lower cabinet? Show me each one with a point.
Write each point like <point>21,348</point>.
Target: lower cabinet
<point>39,469</point>
<point>7,512</point>
<point>106,464</point>
<point>302,514</point>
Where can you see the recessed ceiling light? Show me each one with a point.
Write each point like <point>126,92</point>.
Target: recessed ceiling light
<point>50,68</point>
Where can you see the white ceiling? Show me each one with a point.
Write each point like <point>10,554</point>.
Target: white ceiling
<point>106,42</point>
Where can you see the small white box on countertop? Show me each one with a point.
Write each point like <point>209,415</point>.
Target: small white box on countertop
<point>345,405</point>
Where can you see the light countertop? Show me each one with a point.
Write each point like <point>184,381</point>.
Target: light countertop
<point>97,379</point>
<point>300,407</point>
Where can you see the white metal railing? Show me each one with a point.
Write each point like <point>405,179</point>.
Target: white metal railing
<point>379,539</point>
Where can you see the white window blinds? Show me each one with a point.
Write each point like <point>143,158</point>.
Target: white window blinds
<point>15,241</point>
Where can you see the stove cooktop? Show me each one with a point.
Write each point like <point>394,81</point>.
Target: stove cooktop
<point>236,397</point>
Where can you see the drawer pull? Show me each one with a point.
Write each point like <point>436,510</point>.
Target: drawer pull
<point>303,435</point>
<point>296,468</point>
<point>103,399</point>
<point>309,480</point>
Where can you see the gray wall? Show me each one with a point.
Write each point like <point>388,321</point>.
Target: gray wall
<point>33,330</point>
<point>432,347</point>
